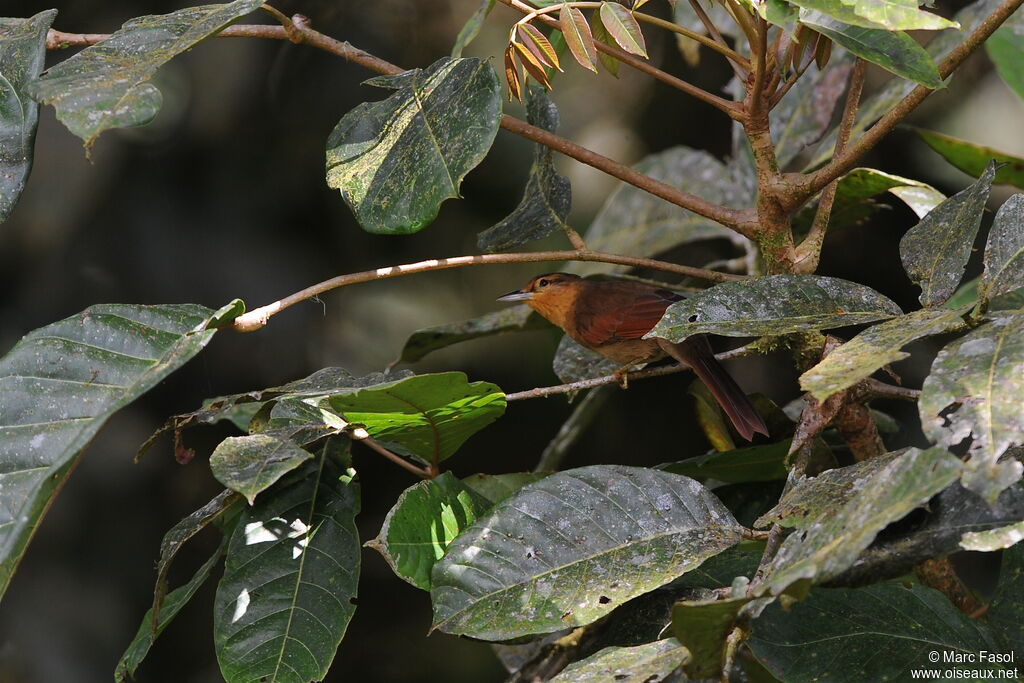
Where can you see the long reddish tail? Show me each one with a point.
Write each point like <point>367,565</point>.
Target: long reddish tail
<point>696,352</point>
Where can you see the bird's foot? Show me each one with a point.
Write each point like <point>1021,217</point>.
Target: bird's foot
<point>622,376</point>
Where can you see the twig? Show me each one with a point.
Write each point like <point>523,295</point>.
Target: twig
<point>807,186</point>
<point>543,392</point>
<point>717,36</point>
<point>759,52</point>
<point>808,254</point>
<point>257,318</point>
<point>420,472</point>
<point>875,389</point>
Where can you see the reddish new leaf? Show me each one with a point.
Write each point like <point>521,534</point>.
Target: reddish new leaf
<point>539,45</point>
<point>533,67</point>
<point>623,28</point>
<point>515,84</point>
<point>578,37</point>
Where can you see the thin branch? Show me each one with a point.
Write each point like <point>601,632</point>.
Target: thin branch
<point>872,388</point>
<point>808,254</point>
<point>716,35</point>
<point>659,371</point>
<point>257,318</point>
<point>420,472</point>
<point>726,106</point>
<point>809,185</point>
<point>759,52</point>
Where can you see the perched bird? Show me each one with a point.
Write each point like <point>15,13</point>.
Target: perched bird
<point>612,318</point>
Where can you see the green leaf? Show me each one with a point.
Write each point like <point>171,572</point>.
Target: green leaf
<point>290,578</point>
<point>427,417</point>
<point>61,383</point>
<point>421,524</point>
<point>974,159</point>
<point>171,605</point>
<point>647,663</point>
<point>1004,253</point>
<point>874,348</point>
<point>876,633</point>
<point>107,85</point>
<point>396,160</point>
<point>812,499</point>
<point>1005,48</point>
<point>935,251</point>
<point>553,555</point>
<point>834,542</point>
<point>780,13</point>
<point>548,195</point>
<point>471,28</point>
<point>753,463</point>
<point>635,222</point>
<point>495,488</point>
<point>423,342</point>
<point>720,570</point>
<point>862,184</point>
<point>890,15</point>
<point>623,27</point>
<point>702,626</point>
<point>967,295</point>
<point>1008,601</point>
<point>973,390</point>
<point>897,53</point>
<point>993,539</point>
<point>773,305</point>
<point>22,57</point>
<point>250,464</point>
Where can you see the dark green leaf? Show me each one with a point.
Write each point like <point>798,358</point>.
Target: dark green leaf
<point>421,524</point>
<point>623,27</point>
<point>471,28</point>
<point>702,627</point>
<point>1004,253</point>
<point>753,463</point>
<point>635,222</point>
<point>22,57</point>
<point>935,251</point>
<point>773,305</point>
<point>290,579</point>
<point>894,52</point>
<point>967,295</point>
<point>553,555</point>
<point>171,605</point>
<point>495,488</point>
<point>834,542</point>
<point>427,417</point>
<point>720,570</point>
<point>601,35</point>
<point>875,348</point>
<point>647,663</point>
<point>974,390</point>
<point>573,362</point>
<point>1005,48</point>
<point>107,85</point>
<point>250,464</point>
<point>61,383</point>
<point>396,160</point>
<point>1008,601</point>
<point>548,195</point>
<point>974,159</point>
<point>813,498</point>
<point>877,633</point>
<point>512,319</point>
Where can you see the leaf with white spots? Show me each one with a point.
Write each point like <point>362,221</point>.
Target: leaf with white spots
<point>290,578</point>
<point>568,549</point>
<point>647,663</point>
<point>974,390</point>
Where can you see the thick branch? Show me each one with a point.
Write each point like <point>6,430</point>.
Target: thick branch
<point>257,318</point>
<point>841,163</point>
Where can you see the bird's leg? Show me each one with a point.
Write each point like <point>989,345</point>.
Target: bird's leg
<point>621,375</point>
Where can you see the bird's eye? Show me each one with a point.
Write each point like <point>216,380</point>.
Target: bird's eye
<point>543,283</point>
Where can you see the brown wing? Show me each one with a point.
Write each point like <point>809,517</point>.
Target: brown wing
<point>616,312</point>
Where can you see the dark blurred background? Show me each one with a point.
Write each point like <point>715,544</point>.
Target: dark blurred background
<point>223,196</point>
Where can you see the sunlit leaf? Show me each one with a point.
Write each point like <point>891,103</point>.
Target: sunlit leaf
<point>553,555</point>
<point>894,52</point>
<point>107,85</point>
<point>974,390</point>
<point>290,578</point>
<point>993,539</point>
<point>1004,253</point>
<point>396,160</point>
<point>578,37</point>
<point>772,305</point>
<point>935,251</point>
<point>875,348</point>
<point>61,383</point>
<point>623,27</point>
<point>973,159</point>
<point>548,195</point>
<point>22,57</point>
<point>891,15</point>
<point>647,663</point>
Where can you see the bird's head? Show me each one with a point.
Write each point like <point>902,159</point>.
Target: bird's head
<point>551,295</point>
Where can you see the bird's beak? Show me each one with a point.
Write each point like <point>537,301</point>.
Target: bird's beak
<point>517,295</point>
